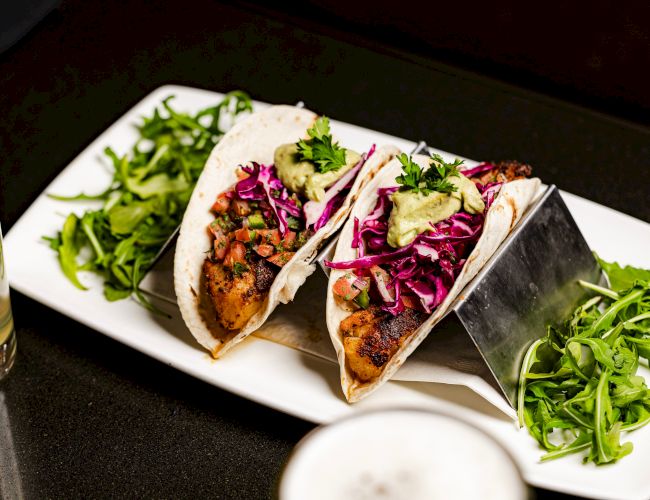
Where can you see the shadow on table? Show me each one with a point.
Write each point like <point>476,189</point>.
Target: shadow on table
<point>10,484</point>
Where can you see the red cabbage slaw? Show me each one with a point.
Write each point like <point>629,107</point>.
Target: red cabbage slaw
<point>263,184</point>
<point>420,274</point>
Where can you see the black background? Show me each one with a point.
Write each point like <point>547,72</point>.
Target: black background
<point>92,418</point>
<point>596,53</point>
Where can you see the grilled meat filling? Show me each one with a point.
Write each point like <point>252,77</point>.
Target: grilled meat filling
<point>265,273</point>
<point>506,171</point>
<point>237,297</point>
<point>371,337</point>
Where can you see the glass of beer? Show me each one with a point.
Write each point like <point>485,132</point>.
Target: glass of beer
<point>400,454</point>
<point>7,333</point>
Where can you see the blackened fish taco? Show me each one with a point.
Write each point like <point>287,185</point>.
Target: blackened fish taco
<point>273,189</point>
<point>420,231</point>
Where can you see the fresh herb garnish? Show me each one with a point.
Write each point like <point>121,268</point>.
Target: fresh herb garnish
<point>578,387</point>
<point>320,148</point>
<point>294,223</point>
<point>410,179</point>
<point>434,178</point>
<point>238,268</point>
<point>146,199</point>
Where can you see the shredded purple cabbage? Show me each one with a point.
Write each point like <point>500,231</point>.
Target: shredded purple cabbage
<point>249,188</point>
<point>262,184</point>
<point>289,206</point>
<point>427,268</point>
<point>478,169</point>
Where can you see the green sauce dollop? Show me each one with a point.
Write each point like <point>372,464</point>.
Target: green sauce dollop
<point>414,213</point>
<point>302,176</point>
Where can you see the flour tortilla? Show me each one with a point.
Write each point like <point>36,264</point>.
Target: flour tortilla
<point>503,215</point>
<point>251,140</point>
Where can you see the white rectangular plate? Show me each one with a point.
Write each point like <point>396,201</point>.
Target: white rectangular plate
<point>281,377</point>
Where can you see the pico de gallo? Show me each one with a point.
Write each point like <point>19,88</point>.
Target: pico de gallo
<point>253,224</point>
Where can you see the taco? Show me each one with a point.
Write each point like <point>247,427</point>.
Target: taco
<point>420,231</point>
<point>273,189</point>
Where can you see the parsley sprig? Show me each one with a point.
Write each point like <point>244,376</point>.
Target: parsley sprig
<point>320,148</point>
<point>434,178</point>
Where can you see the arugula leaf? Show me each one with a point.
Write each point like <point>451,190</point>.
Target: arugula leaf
<point>320,148</point>
<point>82,196</point>
<point>69,249</point>
<point>622,278</point>
<point>114,292</point>
<point>628,390</point>
<point>145,200</point>
<point>582,442</point>
<point>124,219</point>
<point>581,379</point>
<point>637,416</point>
<point>87,224</point>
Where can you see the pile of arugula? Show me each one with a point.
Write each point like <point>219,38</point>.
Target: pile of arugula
<point>320,148</point>
<point>434,178</point>
<point>145,201</point>
<point>578,387</point>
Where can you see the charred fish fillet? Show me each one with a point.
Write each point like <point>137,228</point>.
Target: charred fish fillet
<point>236,298</point>
<point>371,337</point>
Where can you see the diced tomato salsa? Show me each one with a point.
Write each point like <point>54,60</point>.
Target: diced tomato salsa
<point>244,231</point>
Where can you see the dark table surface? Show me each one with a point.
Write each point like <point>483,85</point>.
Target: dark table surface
<point>93,418</point>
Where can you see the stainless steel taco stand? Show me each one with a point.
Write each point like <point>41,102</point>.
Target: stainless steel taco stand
<point>531,281</point>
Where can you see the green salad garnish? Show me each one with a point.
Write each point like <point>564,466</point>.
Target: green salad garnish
<point>146,199</point>
<point>578,387</point>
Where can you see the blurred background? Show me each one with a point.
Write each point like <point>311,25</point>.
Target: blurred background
<point>595,54</point>
<point>561,85</point>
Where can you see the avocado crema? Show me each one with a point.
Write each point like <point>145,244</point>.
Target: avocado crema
<point>414,213</point>
<point>302,177</point>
